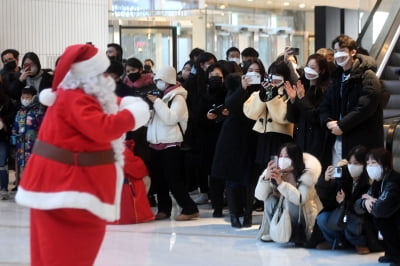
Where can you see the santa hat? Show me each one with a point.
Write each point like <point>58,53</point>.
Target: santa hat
<point>81,61</point>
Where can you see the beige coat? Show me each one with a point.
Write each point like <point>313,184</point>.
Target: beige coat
<point>269,116</point>
<point>310,200</point>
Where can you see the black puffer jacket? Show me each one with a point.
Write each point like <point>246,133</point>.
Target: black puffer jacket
<point>359,111</point>
<point>387,193</point>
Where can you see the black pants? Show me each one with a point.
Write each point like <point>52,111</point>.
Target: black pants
<point>390,229</point>
<point>166,171</point>
<point>217,188</point>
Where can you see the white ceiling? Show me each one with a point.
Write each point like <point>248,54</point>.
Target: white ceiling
<point>293,4</point>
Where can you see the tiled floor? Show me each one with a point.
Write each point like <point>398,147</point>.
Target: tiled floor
<point>206,241</point>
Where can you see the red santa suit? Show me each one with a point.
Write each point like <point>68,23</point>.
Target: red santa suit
<point>135,206</point>
<point>73,180</point>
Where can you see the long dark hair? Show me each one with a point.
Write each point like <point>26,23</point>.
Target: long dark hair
<point>35,59</point>
<point>296,155</point>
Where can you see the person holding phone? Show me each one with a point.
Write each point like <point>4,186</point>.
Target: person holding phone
<point>292,176</point>
<point>348,181</point>
<point>32,74</point>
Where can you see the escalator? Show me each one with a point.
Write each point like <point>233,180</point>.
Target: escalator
<point>380,36</point>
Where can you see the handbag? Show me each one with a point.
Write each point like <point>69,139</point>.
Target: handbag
<point>280,228</point>
<point>337,218</point>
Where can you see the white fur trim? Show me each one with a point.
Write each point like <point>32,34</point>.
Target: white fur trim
<point>138,108</point>
<point>91,67</point>
<point>47,97</point>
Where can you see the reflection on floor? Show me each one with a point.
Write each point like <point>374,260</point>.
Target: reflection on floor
<point>206,241</point>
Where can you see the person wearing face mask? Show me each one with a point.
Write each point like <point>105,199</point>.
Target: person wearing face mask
<point>353,104</point>
<point>382,201</point>
<point>293,175</point>
<point>303,107</point>
<point>32,74</point>
<point>26,127</point>
<point>10,72</point>
<point>344,190</point>
<point>134,76</point>
<point>233,55</point>
<point>268,108</point>
<point>165,132</point>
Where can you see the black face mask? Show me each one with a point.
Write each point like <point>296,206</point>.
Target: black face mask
<point>215,82</point>
<point>113,57</point>
<point>10,65</point>
<point>134,76</point>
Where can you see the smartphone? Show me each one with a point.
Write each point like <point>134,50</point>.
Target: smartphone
<point>337,172</point>
<point>295,51</point>
<point>275,159</point>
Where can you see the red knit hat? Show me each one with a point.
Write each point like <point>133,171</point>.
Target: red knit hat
<point>82,61</point>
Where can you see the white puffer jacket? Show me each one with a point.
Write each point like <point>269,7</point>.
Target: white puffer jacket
<point>310,200</point>
<point>163,126</point>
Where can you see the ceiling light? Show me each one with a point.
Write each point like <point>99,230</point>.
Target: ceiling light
<point>286,3</point>
<point>249,0</point>
<point>269,2</point>
<point>302,5</point>
<point>222,6</point>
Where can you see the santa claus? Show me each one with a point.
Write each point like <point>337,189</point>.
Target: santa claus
<point>73,179</point>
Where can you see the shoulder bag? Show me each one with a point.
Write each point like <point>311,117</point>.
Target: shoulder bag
<point>280,228</point>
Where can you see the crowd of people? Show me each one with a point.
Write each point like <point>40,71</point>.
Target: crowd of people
<point>234,132</point>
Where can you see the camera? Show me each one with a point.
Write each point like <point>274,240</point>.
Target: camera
<point>337,172</point>
<point>217,110</point>
<point>254,78</point>
<point>294,51</point>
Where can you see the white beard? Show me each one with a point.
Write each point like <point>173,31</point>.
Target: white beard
<point>102,88</point>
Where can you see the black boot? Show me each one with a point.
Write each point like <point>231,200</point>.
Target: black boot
<point>247,220</point>
<point>235,222</point>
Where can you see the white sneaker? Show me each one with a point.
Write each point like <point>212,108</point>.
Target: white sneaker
<point>4,195</point>
<point>266,238</point>
<point>202,198</point>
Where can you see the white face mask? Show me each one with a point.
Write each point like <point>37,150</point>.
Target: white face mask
<point>278,80</point>
<point>284,162</point>
<point>234,59</point>
<point>375,172</point>
<point>26,102</point>
<point>344,61</point>
<point>310,73</point>
<point>355,170</point>
<point>161,85</point>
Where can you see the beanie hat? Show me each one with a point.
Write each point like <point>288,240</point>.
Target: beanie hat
<point>166,73</point>
<point>82,61</point>
<point>115,68</point>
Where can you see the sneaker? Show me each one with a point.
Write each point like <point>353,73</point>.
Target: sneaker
<point>362,250</point>
<point>266,238</point>
<point>202,198</point>
<point>187,217</point>
<point>323,246</point>
<point>4,195</point>
<point>162,216</point>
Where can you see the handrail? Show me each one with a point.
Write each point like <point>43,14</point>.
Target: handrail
<point>368,22</point>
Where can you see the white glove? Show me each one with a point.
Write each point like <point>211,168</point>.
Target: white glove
<point>138,108</point>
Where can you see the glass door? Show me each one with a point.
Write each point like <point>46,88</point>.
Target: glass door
<point>156,43</point>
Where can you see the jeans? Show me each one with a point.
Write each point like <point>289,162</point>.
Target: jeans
<point>3,165</point>
<point>331,236</point>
